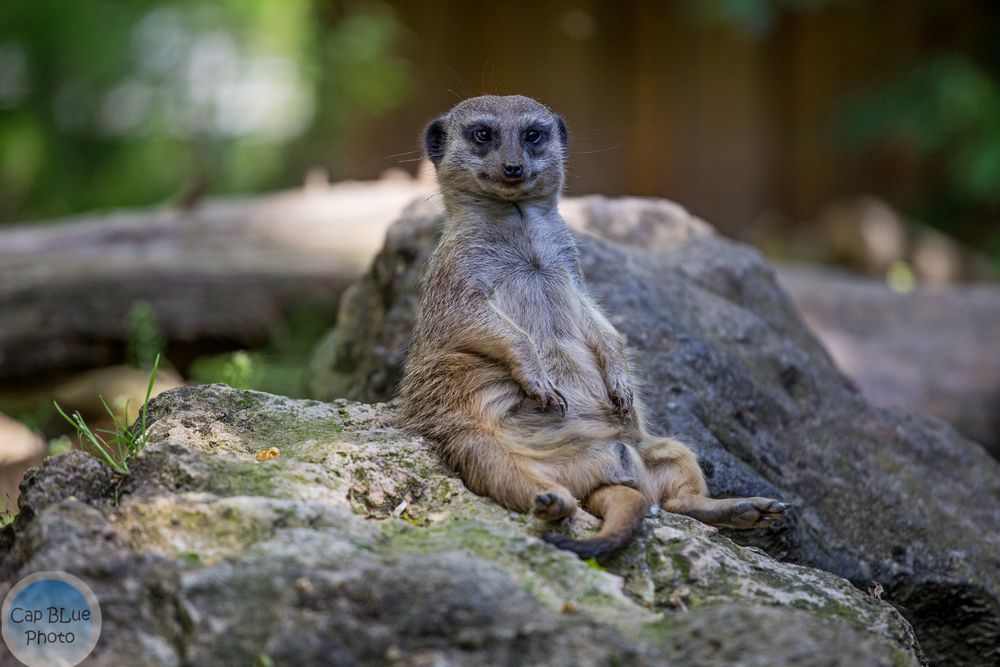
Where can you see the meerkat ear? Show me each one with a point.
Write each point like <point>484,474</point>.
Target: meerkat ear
<point>435,140</point>
<point>563,136</point>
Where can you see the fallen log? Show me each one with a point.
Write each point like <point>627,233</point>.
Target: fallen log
<point>226,271</point>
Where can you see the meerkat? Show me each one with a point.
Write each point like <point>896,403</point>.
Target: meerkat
<point>513,370</point>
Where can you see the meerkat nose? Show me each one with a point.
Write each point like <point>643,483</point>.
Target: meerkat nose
<point>513,170</point>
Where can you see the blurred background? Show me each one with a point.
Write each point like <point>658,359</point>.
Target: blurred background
<point>858,135</point>
<point>755,114</point>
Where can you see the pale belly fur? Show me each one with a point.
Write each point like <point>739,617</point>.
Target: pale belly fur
<point>569,361</point>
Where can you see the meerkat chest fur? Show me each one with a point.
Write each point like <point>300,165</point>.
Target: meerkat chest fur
<point>524,261</point>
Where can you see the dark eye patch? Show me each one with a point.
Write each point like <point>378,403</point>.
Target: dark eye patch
<point>480,133</point>
<point>481,137</point>
<point>533,136</point>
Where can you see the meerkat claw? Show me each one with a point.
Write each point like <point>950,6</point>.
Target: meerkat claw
<point>561,402</point>
<point>548,396</point>
<point>620,394</point>
<point>623,405</point>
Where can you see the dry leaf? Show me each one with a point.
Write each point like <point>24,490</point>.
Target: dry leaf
<point>875,590</point>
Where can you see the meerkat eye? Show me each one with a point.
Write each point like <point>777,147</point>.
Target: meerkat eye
<point>482,135</point>
<point>532,136</point>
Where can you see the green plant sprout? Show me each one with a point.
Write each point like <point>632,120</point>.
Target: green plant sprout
<point>238,371</point>
<point>118,444</point>
<point>145,340</point>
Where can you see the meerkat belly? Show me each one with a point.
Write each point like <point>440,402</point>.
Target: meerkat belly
<point>548,309</point>
<point>573,368</point>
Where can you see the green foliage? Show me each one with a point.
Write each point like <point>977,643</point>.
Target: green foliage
<point>238,370</point>
<point>115,446</point>
<point>946,111</point>
<point>756,17</point>
<point>32,413</point>
<point>278,367</point>
<point>108,103</point>
<point>947,108</point>
<point>263,660</point>
<point>60,445</point>
<point>145,342</point>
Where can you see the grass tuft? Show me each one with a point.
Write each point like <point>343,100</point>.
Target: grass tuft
<point>115,446</point>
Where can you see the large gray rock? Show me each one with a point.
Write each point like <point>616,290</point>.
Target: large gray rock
<point>356,547</point>
<point>729,367</point>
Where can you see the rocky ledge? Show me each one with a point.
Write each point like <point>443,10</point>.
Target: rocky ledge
<point>355,546</point>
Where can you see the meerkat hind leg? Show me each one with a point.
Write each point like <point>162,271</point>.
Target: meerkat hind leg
<point>681,488</point>
<point>728,512</point>
<point>621,507</point>
<point>490,469</point>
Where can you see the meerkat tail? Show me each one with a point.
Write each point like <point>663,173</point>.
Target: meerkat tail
<point>622,509</point>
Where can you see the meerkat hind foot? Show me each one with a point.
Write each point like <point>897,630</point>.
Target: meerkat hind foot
<point>552,505</point>
<point>729,512</point>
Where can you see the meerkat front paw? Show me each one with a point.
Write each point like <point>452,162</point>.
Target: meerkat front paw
<point>620,393</point>
<point>548,395</point>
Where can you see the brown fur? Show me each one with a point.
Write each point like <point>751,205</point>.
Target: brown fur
<point>513,369</point>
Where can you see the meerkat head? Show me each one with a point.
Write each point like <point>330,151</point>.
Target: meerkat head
<point>508,148</point>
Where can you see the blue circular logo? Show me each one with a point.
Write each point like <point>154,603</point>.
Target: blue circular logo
<point>51,619</point>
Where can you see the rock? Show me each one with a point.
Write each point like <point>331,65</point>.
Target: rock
<point>730,368</point>
<point>356,547</point>
<point>867,234</point>
<point>122,388</point>
<point>931,351</point>
<point>20,449</point>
